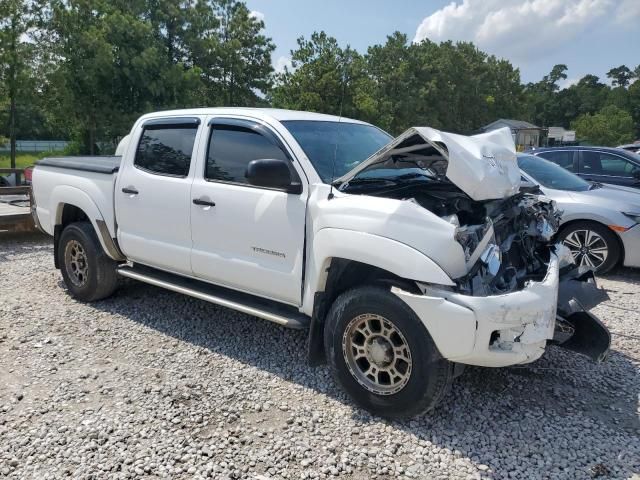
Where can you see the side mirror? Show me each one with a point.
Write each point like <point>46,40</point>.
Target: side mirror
<point>272,173</point>
<point>636,173</point>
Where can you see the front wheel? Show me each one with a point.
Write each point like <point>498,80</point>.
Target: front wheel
<point>591,244</point>
<point>87,271</point>
<point>382,355</point>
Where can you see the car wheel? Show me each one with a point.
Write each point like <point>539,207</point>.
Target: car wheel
<point>86,269</point>
<point>592,244</point>
<point>381,354</point>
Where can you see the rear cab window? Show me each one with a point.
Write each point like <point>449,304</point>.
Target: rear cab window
<point>166,146</point>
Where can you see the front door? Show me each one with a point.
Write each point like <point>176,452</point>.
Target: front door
<point>152,196</point>
<point>246,237</point>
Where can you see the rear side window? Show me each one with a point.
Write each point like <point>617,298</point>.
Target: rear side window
<point>601,163</point>
<point>232,147</point>
<point>166,149</point>
<point>563,158</point>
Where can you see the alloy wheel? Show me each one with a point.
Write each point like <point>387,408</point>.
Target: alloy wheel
<point>76,263</point>
<point>377,354</point>
<point>587,247</point>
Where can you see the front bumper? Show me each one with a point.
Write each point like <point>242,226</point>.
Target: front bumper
<point>514,328</point>
<point>492,331</point>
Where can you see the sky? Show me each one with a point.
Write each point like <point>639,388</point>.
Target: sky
<point>589,36</point>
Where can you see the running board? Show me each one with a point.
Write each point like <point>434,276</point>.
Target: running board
<point>276,312</point>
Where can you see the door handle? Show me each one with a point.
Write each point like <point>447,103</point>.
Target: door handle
<point>204,203</point>
<point>130,190</point>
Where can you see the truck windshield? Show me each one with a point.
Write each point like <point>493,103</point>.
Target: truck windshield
<point>550,175</point>
<point>355,143</point>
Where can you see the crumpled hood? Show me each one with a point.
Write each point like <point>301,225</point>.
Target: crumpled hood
<point>483,166</point>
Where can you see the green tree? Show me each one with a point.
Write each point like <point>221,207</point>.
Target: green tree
<point>323,79</point>
<point>16,58</point>
<point>610,126</point>
<point>542,106</point>
<point>392,70</point>
<point>620,76</point>
<point>244,53</point>
<point>634,103</point>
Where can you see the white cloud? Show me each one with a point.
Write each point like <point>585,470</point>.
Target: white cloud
<point>519,29</point>
<point>281,63</point>
<point>628,12</point>
<point>257,15</point>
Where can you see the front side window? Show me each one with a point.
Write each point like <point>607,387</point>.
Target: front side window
<point>232,147</point>
<point>166,149</point>
<point>563,158</point>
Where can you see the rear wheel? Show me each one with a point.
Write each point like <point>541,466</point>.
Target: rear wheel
<point>591,244</point>
<point>382,355</point>
<point>86,269</point>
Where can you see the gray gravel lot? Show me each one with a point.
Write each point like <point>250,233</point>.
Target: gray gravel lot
<point>151,383</point>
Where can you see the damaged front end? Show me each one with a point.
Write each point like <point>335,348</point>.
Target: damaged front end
<point>522,289</point>
<point>512,250</point>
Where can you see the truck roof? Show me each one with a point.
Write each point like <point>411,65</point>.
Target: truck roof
<point>261,113</point>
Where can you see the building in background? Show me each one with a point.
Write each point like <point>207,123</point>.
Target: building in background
<point>525,135</point>
<point>559,136</point>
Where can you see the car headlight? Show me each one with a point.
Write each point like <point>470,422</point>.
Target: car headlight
<point>635,216</point>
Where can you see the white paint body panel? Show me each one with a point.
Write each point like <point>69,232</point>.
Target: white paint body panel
<point>89,191</point>
<point>162,228</point>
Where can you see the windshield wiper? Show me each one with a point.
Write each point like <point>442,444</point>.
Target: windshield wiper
<point>595,185</point>
<point>366,180</point>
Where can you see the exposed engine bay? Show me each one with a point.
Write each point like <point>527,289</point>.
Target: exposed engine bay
<point>506,242</point>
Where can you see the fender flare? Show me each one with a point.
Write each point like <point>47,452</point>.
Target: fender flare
<point>381,252</point>
<point>67,195</point>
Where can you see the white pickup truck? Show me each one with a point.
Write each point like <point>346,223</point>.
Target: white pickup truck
<point>404,258</point>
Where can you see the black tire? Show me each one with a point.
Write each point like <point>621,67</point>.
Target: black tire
<point>100,278</point>
<point>430,374</point>
<point>572,234</point>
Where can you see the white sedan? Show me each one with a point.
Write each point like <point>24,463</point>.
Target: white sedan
<point>600,223</point>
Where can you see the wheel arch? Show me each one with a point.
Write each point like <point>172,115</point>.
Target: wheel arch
<point>341,259</point>
<point>74,205</point>
<point>342,275</point>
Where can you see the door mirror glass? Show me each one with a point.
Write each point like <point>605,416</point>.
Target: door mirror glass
<point>271,173</point>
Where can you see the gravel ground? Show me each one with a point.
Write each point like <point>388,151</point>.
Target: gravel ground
<point>151,383</point>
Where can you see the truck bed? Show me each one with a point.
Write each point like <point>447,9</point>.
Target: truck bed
<point>97,164</point>
<point>86,182</point>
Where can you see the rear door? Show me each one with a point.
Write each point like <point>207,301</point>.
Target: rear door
<point>152,197</point>
<point>246,237</point>
<point>608,167</point>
